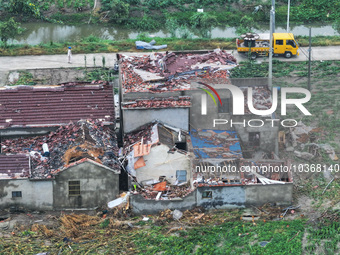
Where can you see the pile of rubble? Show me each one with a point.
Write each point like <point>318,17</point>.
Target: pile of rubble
<point>144,132</point>
<point>262,99</point>
<point>161,72</point>
<point>85,139</point>
<point>165,191</point>
<point>303,137</point>
<point>158,103</point>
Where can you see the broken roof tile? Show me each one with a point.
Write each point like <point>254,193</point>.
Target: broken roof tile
<point>68,144</point>
<point>161,72</point>
<point>158,103</point>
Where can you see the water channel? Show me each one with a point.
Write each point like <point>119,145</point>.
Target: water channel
<point>39,32</point>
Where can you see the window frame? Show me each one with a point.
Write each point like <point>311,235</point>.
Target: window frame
<point>179,173</point>
<point>207,194</point>
<point>75,191</point>
<point>16,194</point>
<point>251,142</point>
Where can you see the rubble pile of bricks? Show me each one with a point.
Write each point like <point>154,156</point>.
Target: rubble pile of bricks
<point>262,99</point>
<point>175,71</point>
<point>83,136</point>
<point>158,103</point>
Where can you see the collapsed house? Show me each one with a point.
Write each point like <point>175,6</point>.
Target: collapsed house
<point>62,141</point>
<point>171,88</point>
<point>58,149</point>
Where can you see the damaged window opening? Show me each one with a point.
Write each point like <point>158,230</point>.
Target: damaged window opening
<point>74,188</point>
<point>225,107</point>
<point>181,146</point>
<point>207,194</point>
<point>181,175</point>
<point>16,194</point>
<point>254,138</point>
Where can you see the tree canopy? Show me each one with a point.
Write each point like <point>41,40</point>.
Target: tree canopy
<point>9,30</point>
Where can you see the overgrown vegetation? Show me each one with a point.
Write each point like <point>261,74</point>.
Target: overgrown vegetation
<point>152,14</point>
<point>110,236</point>
<point>104,74</point>
<point>25,78</point>
<point>9,30</point>
<point>92,44</point>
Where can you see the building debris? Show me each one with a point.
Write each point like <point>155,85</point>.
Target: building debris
<point>328,185</point>
<point>177,214</point>
<point>304,155</point>
<point>68,144</point>
<point>163,72</point>
<point>216,144</point>
<point>123,199</point>
<point>262,99</point>
<point>184,101</point>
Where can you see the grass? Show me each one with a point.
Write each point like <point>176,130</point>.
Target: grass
<point>231,237</point>
<point>228,238</point>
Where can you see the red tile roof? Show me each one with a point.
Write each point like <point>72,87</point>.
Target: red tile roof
<point>14,166</point>
<point>55,105</point>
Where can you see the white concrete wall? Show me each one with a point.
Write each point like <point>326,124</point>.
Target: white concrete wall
<point>36,195</point>
<point>159,162</point>
<point>176,117</point>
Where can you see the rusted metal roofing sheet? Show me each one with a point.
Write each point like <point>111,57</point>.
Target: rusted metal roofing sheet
<point>22,106</point>
<point>14,166</point>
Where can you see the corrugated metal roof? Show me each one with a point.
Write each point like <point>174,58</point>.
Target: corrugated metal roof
<point>210,143</point>
<point>55,105</point>
<point>14,166</point>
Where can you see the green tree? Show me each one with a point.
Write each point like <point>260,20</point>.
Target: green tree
<point>120,11</point>
<point>203,20</point>
<point>24,7</point>
<point>203,23</point>
<point>246,25</point>
<point>9,30</point>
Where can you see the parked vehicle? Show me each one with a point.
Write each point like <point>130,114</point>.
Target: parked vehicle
<point>257,45</point>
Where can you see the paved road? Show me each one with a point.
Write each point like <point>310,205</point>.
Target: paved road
<point>60,61</point>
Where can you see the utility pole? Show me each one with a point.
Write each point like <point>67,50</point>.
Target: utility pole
<point>288,16</point>
<point>272,22</point>
<point>309,57</point>
<point>273,10</point>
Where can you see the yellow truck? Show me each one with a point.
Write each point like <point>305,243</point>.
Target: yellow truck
<point>257,45</point>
